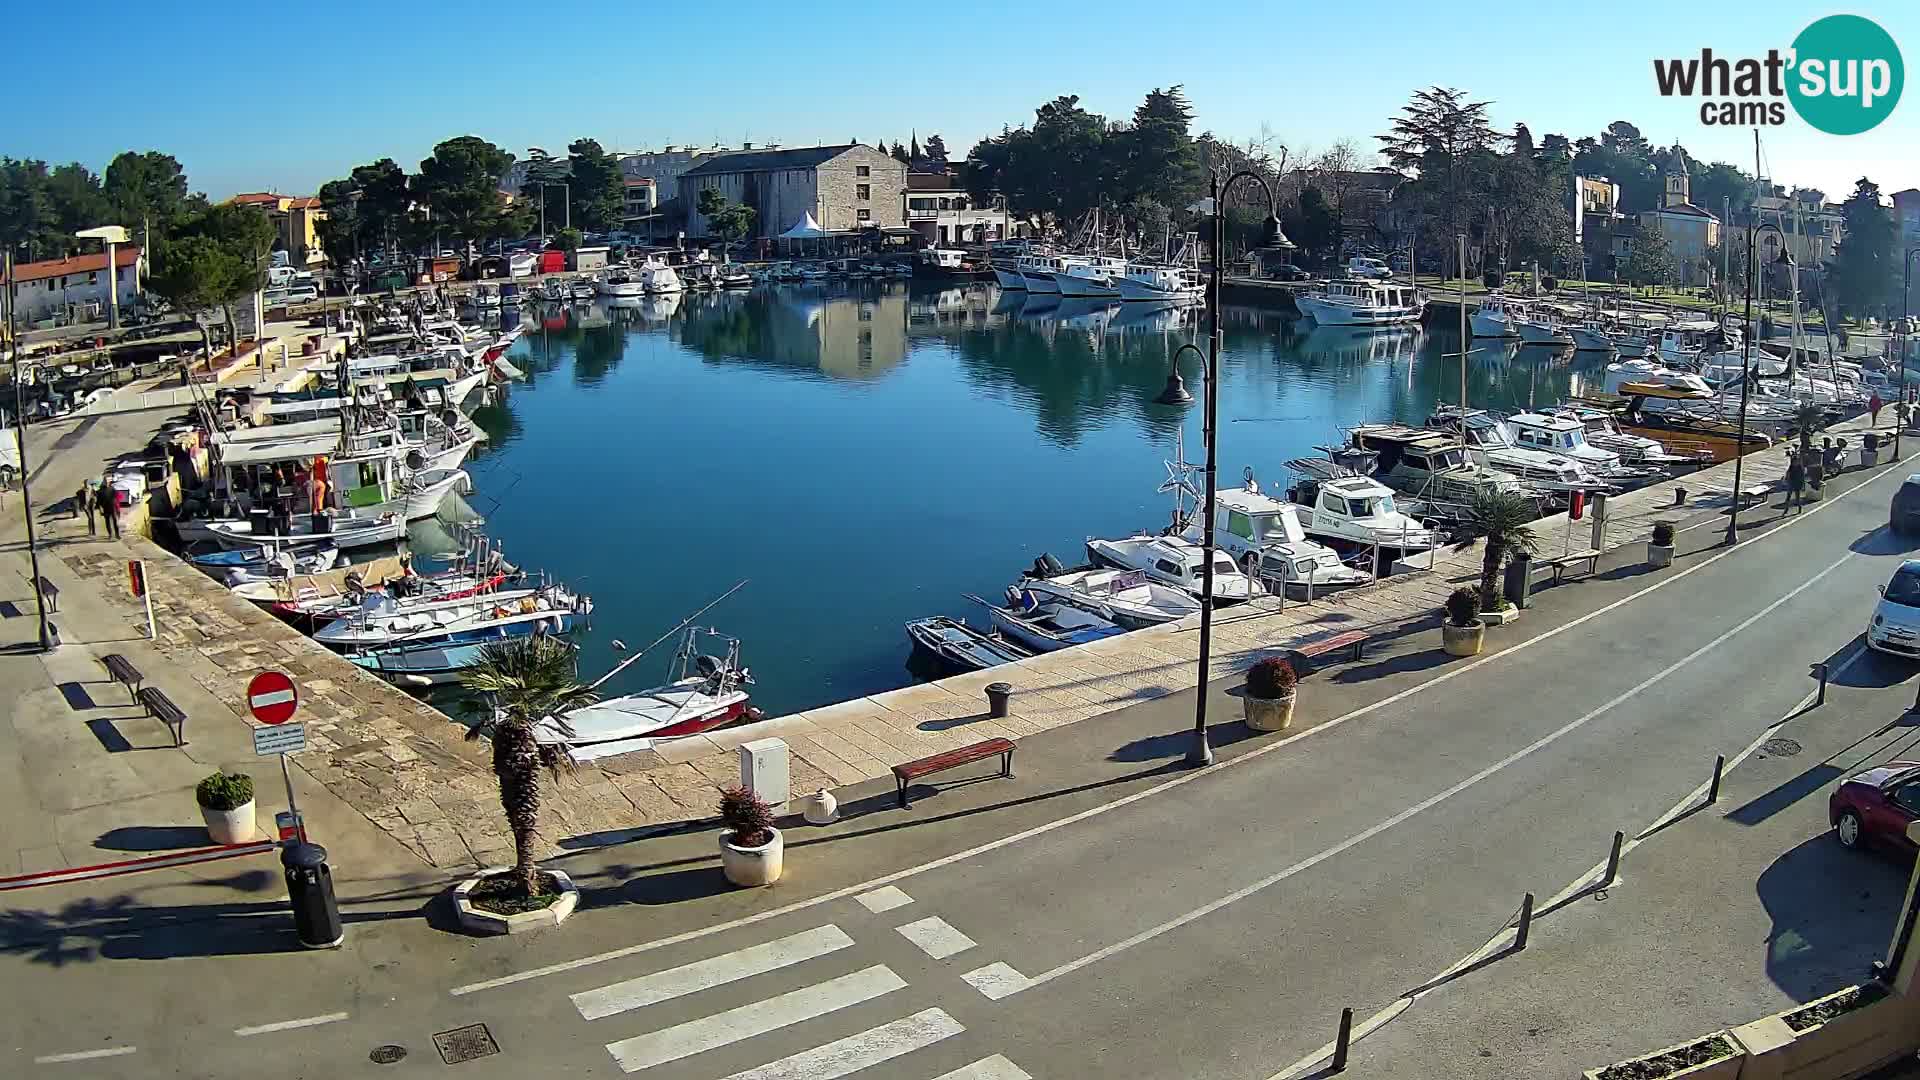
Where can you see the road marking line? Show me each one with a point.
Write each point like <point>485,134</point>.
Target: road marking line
<point>936,937</point>
<point>884,899</point>
<point>996,981</point>
<point>988,1068</point>
<point>733,1025</point>
<point>289,1025</point>
<point>1592,876</point>
<point>85,1055</point>
<point>856,1052</point>
<point>704,974</point>
<point>1161,788</point>
<point>1430,801</point>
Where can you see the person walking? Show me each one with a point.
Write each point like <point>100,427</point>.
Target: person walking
<point>1874,405</point>
<point>109,511</point>
<point>1796,484</point>
<point>83,502</point>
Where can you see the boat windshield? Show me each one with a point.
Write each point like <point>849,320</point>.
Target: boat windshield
<point>1272,529</point>
<point>1904,589</point>
<point>1368,506</point>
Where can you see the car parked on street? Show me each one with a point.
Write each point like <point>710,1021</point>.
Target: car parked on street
<point>1895,625</point>
<point>1367,267</point>
<point>1877,807</point>
<point>1904,516</point>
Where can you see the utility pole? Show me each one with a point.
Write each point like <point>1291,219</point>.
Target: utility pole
<point>20,442</point>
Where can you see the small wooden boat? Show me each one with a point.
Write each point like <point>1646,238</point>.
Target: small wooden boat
<point>1045,626</point>
<point>958,647</point>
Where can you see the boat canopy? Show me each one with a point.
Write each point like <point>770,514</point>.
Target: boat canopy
<point>263,451</point>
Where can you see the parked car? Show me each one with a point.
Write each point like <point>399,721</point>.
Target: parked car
<point>1363,266</point>
<point>1905,514</point>
<point>1895,625</point>
<point>1288,272</point>
<point>1877,807</point>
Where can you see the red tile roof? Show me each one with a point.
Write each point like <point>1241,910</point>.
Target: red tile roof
<point>257,198</point>
<point>303,202</point>
<point>124,255</point>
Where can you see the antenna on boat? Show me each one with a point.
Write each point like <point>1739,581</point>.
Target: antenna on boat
<point>683,624</point>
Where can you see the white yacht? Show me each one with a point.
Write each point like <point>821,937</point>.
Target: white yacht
<point>1354,302</point>
<point>1350,512</point>
<point>1123,597</point>
<point>1091,278</point>
<point>619,283</point>
<point>1165,284</point>
<point>1264,534</point>
<point>1495,316</point>
<point>1178,562</point>
<point>1491,443</point>
<point>1603,430</point>
<point>1568,437</point>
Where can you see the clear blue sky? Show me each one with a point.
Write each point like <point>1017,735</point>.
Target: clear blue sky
<point>253,96</point>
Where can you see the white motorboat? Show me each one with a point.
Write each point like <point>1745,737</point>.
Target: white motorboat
<point>343,532</point>
<point>619,283</point>
<point>1538,326</point>
<point>659,279</point>
<point>580,289</point>
<point>383,620</point>
<point>1350,512</point>
<point>1179,562</point>
<point>703,692</point>
<point>1264,534</point>
<point>1123,597</point>
<point>1603,431</point>
<point>314,607</point>
<point>1431,465</point>
<point>1092,278</point>
<point>1354,302</point>
<point>1567,436</point>
<point>284,564</point>
<point>1046,625</point>
<point>1160,284</point>
<point>1491,442</point>
<point>1495,316</point>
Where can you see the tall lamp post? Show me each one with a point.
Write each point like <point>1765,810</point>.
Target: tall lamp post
<point>20,435</point>
<point>1200,753</point>
<point>1906,307</point>
<point>1746,369</point>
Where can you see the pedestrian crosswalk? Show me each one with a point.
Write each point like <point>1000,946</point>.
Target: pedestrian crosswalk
<point>831,993</point>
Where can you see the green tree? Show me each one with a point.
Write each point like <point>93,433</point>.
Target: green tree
<point>1650,261</point>
<point>599,193</point>
<point>1500,518</point>
<point>339,231</point>
<point>567,240</point>
<point>460,183</point>
<point>146,190</point>
<point>900,154</point>
<point>1154,158</point>
<point>936,151</point>
<point>1866,266</point>
<point>193,273</point>
<point>528,680</point>
<point>1720,185</point>
<point>241,238</point>
<point>1312,224</point>
<point>729,219</point>
<point>1442,136</point>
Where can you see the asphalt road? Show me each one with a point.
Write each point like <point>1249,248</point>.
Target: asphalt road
<point>1107,913</point>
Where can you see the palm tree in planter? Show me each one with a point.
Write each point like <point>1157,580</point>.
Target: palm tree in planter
<point>1461,631</point>
<point>529,679</point>
<point>1501,519</point>
<point>1268,699</point>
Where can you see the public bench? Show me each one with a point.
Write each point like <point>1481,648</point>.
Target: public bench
<point>161,708</point>
<point>51,594</point>
<point>1302,656</point>
<point>122,671</point>
<point>953,759</point>
<point>1559,563</point>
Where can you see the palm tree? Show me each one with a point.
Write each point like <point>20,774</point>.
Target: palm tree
<point>529,679</point>
<point>1501,517</point>
<point>1809,419</point>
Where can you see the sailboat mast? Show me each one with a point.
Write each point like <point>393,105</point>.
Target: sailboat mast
<point>1465,341</point>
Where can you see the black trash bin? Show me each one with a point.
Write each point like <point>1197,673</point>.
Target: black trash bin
<point>316,914</point>
<point>1518,587</point>
<point>260,521</point>
<point>998,696</point>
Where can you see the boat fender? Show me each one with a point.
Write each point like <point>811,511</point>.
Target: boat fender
<point>416,460</point>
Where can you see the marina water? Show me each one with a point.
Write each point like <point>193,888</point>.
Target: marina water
<point>870,453</point>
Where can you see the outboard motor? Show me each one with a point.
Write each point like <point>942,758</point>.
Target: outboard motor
<point>1048,566</point>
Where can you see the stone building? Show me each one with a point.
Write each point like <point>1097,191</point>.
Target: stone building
<point>75,289</point>
<point>844,188</point>
<point>1691,231</point>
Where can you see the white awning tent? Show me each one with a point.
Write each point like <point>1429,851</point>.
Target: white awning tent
<point>805,229</point>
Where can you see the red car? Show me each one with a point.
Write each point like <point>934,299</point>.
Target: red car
<point>1877,806</point>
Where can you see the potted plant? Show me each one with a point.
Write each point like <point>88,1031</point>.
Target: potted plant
<point>1869,449</point>
<point>1462,633</point>
<point>750,847</point>
<point>1816,478</point>
<point>530,683</point>
<point>1501,519</point>
<point>226,805</point>
<point>1660,548</point>
<point>1269,694</point>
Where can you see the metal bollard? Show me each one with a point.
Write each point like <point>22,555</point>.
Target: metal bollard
<point>1526,923</point>
<point>1310,570</point>
<point>999,695</point>
<point>1679,495</point>
<point>1613,861</point>
<point>1820,672</point>
<point>1713,789</point>
<point>1341,1043</point>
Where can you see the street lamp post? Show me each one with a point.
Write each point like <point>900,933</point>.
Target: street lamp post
<point>1906,306</point>
<point>1199,752</point>
<point>1746,372</point>
<point>20,444</point>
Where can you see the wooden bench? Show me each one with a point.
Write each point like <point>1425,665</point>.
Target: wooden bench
<point>161,708</point>
<point>51,594</point>
<point>122,671</point>
<point>951,759</point>
<point>1302,656</point>
<point>1559,563</point>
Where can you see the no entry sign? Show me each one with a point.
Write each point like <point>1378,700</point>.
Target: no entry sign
<point>272,697</point>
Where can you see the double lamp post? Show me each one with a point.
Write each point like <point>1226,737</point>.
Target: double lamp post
<point>1200,752</point>
<point>1746,366</point>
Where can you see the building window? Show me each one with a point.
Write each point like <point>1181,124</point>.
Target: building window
<point>863,192</point>
<point>863,170</point>
<point>865,214</point>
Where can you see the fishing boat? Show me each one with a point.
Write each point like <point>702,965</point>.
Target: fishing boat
<point>1354,302</point>
<point>1351,512</point>
<point>1568,437</point>
<point>1124,597</point>
<point>1179,562</point>
<point>283,565</point>
<point>959,648</point>
<point>1590,336</point>
<point>703,692</point>
<point>1536,325</point>
<point>384,621</point>
<point>1093,277</point>
<point>1494,318</point>
<point>1265,535</point>
<point>345,532</point>
<point>1491,442</point>
<point>1046,625</point>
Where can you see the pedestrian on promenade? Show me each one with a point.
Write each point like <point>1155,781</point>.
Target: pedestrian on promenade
<point>1796,484</point>
<point>1874,405</point>
<point>109,511</point>
<point>1829,458</point>
<point>83,502</point>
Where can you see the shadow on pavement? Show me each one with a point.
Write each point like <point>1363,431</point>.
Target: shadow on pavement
<point>1875,671</point>
<point>1176,743</point>
<point>1832,912</point>
<point>1423,660</point>
<point>1762,807</point>
<point>78,698</point>
<point>152,838</point>
<point>1884,541</point>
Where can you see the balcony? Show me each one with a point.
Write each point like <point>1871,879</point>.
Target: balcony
<point>925,215</point>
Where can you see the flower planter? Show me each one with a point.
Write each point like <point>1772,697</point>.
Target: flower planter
<point>1722,1066</point>
<point>1659,556</point>
<point>1869,458</point>
<point>1501,616</point>
<point>1870,1033</point>
<point>1463,640</point>
<point>493,922</point>
<point>751,867</point>
<point>233,826</point>
<point>1268,714</point>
